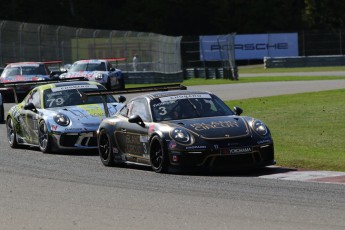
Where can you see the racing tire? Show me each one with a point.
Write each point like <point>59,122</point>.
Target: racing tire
<point>158,155</point>
<point>105,149</point>
<point>2,113</point>
<point>44,140</point>
<point>11,133</point>
<point>108,85</point>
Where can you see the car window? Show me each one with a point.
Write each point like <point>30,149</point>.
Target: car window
<point>34,98</point>
<point>188,107</point>
<point>34,70</point>
<point>8,72</point>
<point>140,107</point>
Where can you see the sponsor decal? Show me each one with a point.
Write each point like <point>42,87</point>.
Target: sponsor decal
<point>67,87</point>
<point>196,147</point>
<point>264,141</point>
<point>236,151</point>
<point>54,127</point>
<point>215,125</point>
<point>175,158</point>
<point>143,138</point>
<point>173,98</point>
<point>172,144</point>
<point>74,129</point>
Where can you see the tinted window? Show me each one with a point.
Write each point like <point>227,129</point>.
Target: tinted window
<point>188,107</point>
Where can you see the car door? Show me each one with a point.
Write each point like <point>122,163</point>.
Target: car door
<point>136,141</point>
<point>30,118</point>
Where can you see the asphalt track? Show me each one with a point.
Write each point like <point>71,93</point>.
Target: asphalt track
<point>75,191</point>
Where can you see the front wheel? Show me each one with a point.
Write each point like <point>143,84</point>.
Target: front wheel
<point>44,140</point>
<point>11,133</point>
<point>158,155</point>
<point>105,149</point>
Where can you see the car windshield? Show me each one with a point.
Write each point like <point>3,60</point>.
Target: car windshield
<point>70,96</point>
<point>24,70</point>
<point>88,66</point>
<point>188,107</point>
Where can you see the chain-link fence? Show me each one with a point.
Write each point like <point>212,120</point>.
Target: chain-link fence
<point>37,42</point>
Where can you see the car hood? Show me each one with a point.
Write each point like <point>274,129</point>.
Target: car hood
<point>216,127</point>
<point>90,114</point>
<point>24,78</point>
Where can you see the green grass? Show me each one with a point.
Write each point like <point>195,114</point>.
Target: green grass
<point>308,129</point>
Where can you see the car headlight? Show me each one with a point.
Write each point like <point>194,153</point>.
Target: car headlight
<point>181,135</point>
<point>62,76</point>
<point>98,76</point>
<point>61,119</point>
<point>260,128</point>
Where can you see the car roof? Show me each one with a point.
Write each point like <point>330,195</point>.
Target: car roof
<point>60,84</point>
<point>23,64</point>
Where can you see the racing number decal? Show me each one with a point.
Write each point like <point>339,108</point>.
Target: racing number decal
<point>162,110</point>
<point>58,101</point>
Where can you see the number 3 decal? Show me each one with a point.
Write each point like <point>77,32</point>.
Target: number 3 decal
<point>162,111</point>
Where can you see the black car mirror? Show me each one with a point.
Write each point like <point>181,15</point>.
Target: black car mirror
<point>238,110</point>
<point>136,119</point>
<point>121,99</point>
<point>30,106</point>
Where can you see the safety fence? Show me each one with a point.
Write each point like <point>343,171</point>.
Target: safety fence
<point>38,42</point>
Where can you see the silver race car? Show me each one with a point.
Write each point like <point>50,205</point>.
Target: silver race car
<point>57,117</point>
<point>98,70</point>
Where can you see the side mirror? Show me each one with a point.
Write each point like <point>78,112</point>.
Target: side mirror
<point>136,119</point>
<point>30,106</point>
<point>121,99</point>
<point>238,110</point>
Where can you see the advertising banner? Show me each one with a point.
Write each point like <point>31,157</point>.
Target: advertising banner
<point>249,46</point>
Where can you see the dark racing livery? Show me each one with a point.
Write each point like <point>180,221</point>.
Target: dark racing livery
<point>98,70</point>
<point>57,117</point>
<point>184,129</point>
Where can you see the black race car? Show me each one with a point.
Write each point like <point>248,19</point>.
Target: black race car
<point>184,129</point>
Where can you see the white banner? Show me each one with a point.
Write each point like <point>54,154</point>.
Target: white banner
<point>249,46</point>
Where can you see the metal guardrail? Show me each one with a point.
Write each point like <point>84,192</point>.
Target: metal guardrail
<point>304,61</point>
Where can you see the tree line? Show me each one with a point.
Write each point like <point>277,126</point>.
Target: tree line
<point>181,17</point>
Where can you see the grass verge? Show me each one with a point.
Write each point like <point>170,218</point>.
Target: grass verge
<point>308,129</point>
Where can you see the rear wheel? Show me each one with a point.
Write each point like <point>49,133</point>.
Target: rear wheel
<point>44,140</point>
<point>2,113</point>
<point>11,133</point>
<point>105,149</point>
<point>108,85</point>
<point>158,155</point>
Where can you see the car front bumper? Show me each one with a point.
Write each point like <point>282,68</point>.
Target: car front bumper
<point>260,156</point>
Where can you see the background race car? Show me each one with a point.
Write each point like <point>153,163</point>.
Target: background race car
<point>184,129</point>
<point>27,71</point>
<point>57,117</point>
<point>99,70</point>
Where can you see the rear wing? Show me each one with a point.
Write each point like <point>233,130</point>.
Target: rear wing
<point>12,86</point>
<point>131,90</point>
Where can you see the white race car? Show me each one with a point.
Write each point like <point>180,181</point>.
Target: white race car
<point>98,70</point>
<point>58,117</point>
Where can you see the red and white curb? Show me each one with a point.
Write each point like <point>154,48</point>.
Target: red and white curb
<point>310,176</point>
